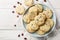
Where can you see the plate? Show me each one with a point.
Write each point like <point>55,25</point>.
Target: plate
<point>53,18</point>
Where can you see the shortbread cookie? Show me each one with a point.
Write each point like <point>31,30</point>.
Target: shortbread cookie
<point>20,9</point>
<point>48,13</point>
<point>28,2</point>
<point>40,19</point>
<point>33,9</point>
<point>29,17</point>
<point>45,28</point>
<point>49,22</point>
<point>32,12</point>
<point>28,28</point>
<point>34,26</point>
<point>39,7</point>
<point>26,18</point>
<point>40,32</point>
<point>32,15</point>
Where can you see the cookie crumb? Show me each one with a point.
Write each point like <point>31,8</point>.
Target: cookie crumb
<point>44,0</point>
<point>14,6</point>
<point>25,38</point>
<point>15,25</point>
<point>13,12</point>
<point>19,35</point>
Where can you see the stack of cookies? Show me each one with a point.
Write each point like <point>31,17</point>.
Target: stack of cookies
<point>38,19</point>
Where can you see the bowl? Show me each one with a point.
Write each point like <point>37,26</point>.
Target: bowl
<point>53,18</point>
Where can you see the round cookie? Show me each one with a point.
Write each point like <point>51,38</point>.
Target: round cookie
<point>28,2</point>
<point>49,22</point>
<point>40,19</point>
<point>48,13</point>
<point>32,12</point>
<point>45,28</point>
<point>20,9</point>
<point>40,32</point>
<point>32,15</point>
<point>28,27</point>
<point>34,26</point>
<point>26,18</point>
<point>39,7</point>
<point>33,9</point>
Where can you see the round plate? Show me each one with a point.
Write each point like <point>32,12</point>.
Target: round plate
<point>37,35</point>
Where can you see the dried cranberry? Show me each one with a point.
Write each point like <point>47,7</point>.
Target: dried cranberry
<point>25,38</point>
<point>14,6</point>
<point>36,0</point>
<point>18,2</point>
<point>19,35</point>
<point>44,0</point>
<point>17,16</point>
<point>13,12</point>
<point>22,34</point>
<point>15,25</point>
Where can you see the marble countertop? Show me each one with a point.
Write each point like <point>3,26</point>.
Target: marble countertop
<point>11,26</point>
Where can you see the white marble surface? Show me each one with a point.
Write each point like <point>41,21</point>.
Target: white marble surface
<point>8,20</point>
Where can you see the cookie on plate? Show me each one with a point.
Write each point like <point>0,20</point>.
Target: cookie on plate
<point>28,28</point>
<point>40,32</point>
<point>20,9</point>
<point>40,19</point>
<point>26,18</point>
<point>39,7</point>
<point>32,12</point>
<point>49,22</point>
<point>28,2</point>
<point>33,9</point>
<point>34,26</point>
<point>45,28</point>
<point>48,13</point>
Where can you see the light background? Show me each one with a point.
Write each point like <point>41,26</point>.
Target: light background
<point>8,19</point>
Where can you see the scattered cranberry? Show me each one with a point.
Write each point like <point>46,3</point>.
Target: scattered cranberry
<point>15,25</point>
<point>19,35</point>
<point>19,3</point>
<point>13,12</point>
<point>14,6</point>
<point>22,34</point>
<point>44,0</point>
<point>25,38</point>
<point>36,0</point>
<point>17,16</point>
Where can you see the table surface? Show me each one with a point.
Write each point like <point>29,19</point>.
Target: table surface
<point>8,19</point>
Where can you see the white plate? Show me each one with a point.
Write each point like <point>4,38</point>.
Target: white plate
<point>54,19</point>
